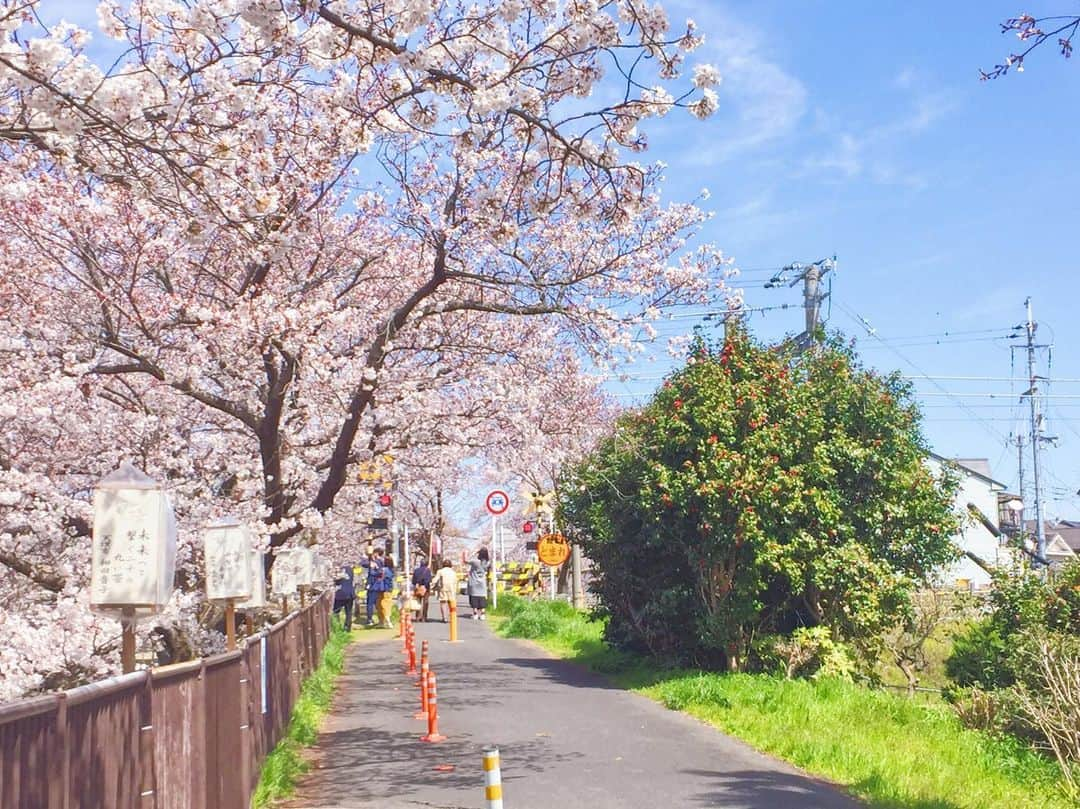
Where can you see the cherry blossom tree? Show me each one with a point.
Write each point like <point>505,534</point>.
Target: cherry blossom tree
<point>275,238</point>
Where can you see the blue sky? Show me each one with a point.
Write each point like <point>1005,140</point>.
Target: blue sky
<point>865,132</point>
<point>862,130</point>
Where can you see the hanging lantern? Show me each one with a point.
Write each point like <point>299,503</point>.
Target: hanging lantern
<point>227,552</point>
<point>385,499</point>
<point>527,528</point>
<point>133,555</point>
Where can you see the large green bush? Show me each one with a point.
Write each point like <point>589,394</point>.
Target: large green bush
<point>760,491</point>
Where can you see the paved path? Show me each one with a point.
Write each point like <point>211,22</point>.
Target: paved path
<point>567,739</point>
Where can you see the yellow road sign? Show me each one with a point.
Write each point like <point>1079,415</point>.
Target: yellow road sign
<point>553,549</point>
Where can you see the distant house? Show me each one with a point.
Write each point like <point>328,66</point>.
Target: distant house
<point>1062,540</point>
<point>980,533</point>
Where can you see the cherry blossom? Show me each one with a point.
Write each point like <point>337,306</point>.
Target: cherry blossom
<point>277,238</point>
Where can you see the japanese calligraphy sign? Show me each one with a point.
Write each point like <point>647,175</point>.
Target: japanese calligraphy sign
<point>134,544</point>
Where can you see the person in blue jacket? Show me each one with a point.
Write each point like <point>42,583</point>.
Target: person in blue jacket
<point>345,595</point>
<point>421,582</point>
<point>374,583</point>
<point>385,587</point>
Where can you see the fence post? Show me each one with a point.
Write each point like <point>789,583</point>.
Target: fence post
<point>147,772</point>
<point>246,719</point>
<point>64,781</point>
<point>204,726</point>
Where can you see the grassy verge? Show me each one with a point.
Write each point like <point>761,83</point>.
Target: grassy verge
<point>888,750</point>
<point>285,764</point>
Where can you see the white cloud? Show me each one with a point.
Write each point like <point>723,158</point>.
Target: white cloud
<point>870,151</point>
<point>759,101</point>
<point>906,78</point>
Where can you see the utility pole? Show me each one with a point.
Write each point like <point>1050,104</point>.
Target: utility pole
<point>811,276</point>
<point>576,589</point>
<point>811,298</point>
<point>1036,433</point>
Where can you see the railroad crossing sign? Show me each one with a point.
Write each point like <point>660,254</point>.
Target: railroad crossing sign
<point>497,502</point>
<point>377,471</point>
<point>552,549</point>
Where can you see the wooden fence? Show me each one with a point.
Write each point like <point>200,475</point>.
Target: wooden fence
<point>189,736</point>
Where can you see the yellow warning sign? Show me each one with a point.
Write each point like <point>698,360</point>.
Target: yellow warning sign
<point>553,549</point>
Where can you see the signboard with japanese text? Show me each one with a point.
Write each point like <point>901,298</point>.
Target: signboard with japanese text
<point>552,549</point>
<point>228,561</point>
<point>257,566</point>
<point>497,502</point>
<point>133,554</point>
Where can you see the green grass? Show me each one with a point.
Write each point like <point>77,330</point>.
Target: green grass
<point>886,749</point>
<point>285,764</point>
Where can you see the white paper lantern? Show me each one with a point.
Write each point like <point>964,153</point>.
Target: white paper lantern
<point>227,552</point>
<point>283,573</point>
<point>304,565</point>
<point>133,558</point>
<point>257,568</point>
<point>323,570</point>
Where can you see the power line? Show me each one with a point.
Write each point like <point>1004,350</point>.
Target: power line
<point>987,379</point>
<point>944,342</point>
<point>1002,395</point>
<point>873,333</point>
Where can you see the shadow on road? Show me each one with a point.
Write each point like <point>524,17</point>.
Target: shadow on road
<point>561,672</point>
<point>377,765</point>
<point>759,789</point>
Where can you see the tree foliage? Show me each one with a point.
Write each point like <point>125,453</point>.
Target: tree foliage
<point>1018,665</point>
<point>761,490</point>
<point>1023,608</point>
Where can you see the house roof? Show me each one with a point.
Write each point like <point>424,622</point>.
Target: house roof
<point>1068,530</point>
<point>976,467</point>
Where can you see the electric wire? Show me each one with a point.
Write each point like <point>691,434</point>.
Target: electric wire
<point>873,333</point>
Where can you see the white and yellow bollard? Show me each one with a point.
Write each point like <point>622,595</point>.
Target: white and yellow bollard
<point>492,778</point>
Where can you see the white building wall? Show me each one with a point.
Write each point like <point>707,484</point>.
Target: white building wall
<point>973,535</point>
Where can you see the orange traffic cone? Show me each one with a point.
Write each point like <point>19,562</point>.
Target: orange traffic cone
<point>433,734</point>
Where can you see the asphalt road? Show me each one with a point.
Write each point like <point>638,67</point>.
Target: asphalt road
<point>566,736</point>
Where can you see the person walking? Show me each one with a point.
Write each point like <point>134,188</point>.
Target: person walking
<point>421,583</point>
<point>345,595</point>
<point>445,586</point>
<point>386,592</point>
<point>374,576</point>
<point>476,586</point>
